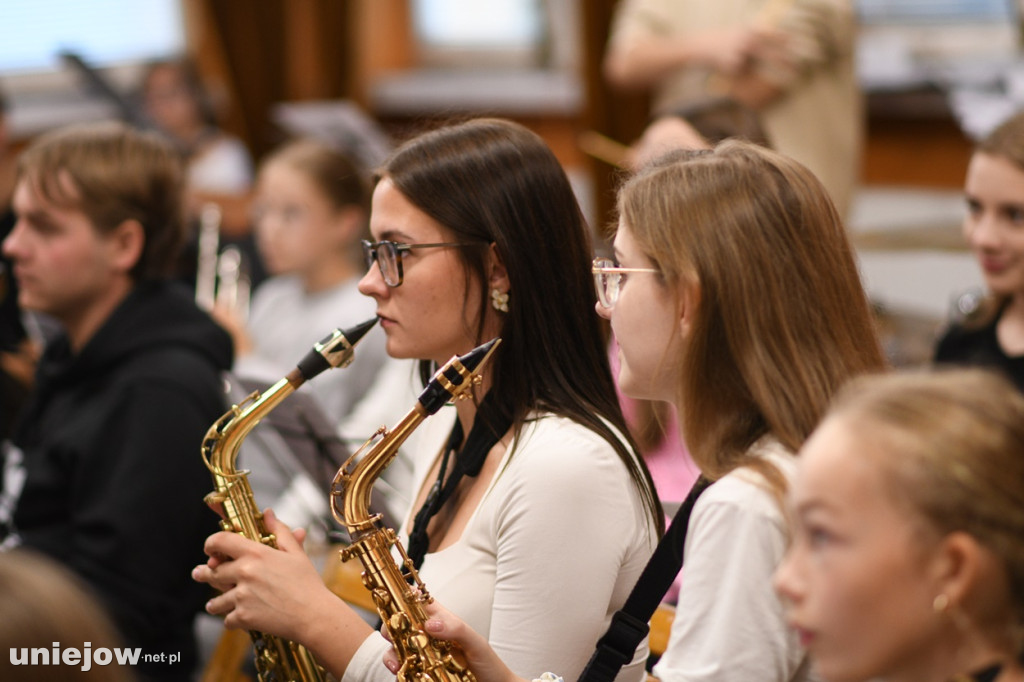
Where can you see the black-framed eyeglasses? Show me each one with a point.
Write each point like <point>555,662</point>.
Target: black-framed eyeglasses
<point>608,279</point>
<point>388,255</point>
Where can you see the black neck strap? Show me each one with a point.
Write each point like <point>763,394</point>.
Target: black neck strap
<point>630,624</point>
<point>489,425</point>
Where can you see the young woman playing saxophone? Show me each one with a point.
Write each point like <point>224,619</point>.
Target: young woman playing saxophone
<point>477,234</point>
<point>734,295</point>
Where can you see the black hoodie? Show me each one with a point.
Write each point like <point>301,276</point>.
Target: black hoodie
<point>113,477</point>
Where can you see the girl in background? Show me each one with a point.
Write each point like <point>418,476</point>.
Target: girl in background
<point>992,333</point>
<point>310,212</point>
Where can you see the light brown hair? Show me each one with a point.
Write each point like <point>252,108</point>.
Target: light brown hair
<point>1006,141</point>
<point>333,172</point>
<point>113,173</point>
<point>41,603</point>
<point>782,319</point>
<point>952,450</point>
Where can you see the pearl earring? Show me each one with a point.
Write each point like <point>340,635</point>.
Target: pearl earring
<point>499,300</point>
<point>940,603</point>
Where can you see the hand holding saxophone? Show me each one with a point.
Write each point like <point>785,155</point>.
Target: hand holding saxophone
<point>232,498</point>
<point>272,586</point>
<point>398,592</point>
<point>262,588</point>
<point>442,624</point>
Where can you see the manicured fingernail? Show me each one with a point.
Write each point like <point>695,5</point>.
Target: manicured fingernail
<point>433,625</point>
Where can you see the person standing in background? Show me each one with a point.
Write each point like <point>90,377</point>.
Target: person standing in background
<point>778,69</point>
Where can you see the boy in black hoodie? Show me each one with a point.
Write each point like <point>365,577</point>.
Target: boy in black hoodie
<point>103,471</point>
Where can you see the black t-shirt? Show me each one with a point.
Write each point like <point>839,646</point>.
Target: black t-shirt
<point>979,347</point>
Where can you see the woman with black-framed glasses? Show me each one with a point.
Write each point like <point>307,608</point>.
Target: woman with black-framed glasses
<point>477,234</point>
<point>733,295</point>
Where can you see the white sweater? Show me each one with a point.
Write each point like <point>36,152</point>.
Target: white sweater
<point>730,624</point>
<point>549,555</point>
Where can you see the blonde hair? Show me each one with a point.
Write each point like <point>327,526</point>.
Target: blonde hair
<point>959,436</point>
<point>43,603</point>
<point>782,319</point>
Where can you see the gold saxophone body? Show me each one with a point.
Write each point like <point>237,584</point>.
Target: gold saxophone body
<point>277,659</point>
<point>397,590</point>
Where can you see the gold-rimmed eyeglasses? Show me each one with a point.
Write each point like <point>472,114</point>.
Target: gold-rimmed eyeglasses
<point>608,279</point>
<point>388,255</point>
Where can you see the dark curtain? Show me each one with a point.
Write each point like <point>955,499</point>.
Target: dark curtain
<point>273,51</point>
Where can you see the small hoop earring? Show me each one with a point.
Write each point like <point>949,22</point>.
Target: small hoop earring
<point>499,300</point>
<point>940,603</point>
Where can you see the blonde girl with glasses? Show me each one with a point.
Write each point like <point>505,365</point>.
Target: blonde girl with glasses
<point>476,234</point>
<point>734,295</point>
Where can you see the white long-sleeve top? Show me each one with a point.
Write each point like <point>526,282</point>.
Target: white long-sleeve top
<point>551,552</point>
<point>730,624</point>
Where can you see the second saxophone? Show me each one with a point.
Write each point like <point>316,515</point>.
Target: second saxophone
<point>397,590</point>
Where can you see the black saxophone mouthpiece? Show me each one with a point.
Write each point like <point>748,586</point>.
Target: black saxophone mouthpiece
<point>334,350</point>
<point>356,333</point>
<point>456,376</point>
<point>476,357</point>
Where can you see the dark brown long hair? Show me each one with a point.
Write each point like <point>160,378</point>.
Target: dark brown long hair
<point>495,181</point>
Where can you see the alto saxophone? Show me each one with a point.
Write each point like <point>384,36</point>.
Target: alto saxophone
<point>397,590</point>
<point>276,659</point>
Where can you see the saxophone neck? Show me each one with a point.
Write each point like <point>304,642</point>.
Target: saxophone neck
<point>353,484</point>
<point>223,439</point>
<point>334,350</point>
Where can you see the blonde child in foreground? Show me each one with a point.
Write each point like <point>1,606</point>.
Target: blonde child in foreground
<point>908,556</point>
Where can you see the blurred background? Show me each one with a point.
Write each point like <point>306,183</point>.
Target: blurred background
<point>935,75</point>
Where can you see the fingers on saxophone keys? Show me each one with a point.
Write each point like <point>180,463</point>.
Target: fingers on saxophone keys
<point>224,546</point>
<point>220,605</point>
